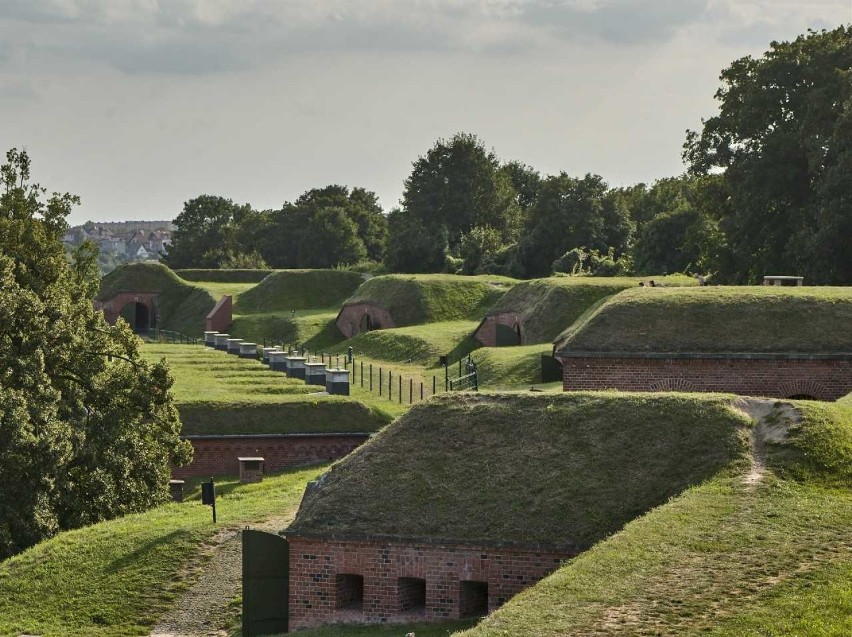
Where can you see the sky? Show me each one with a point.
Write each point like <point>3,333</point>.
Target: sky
<point>139,105</point>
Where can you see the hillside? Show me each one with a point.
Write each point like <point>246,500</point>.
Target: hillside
<point>729,557</point>
<point>421,344</point>
<point>717,319</point>
<point>549,305</point>
<point>182,306</point>
<point>431,298</point>
<point>286,290</point>
<point>501,467</point>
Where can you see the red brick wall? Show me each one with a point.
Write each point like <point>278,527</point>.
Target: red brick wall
<point>112,307</point>
<point>220,317</point>
<point>823,379</point>
<point>217,455</point>
<point>486,333</point>
<point>316,563</point>
<point>349,319</point>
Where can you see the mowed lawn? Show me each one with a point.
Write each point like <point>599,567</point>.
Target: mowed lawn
<point>117,578</point>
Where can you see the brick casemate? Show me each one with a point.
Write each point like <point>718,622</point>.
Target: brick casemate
<point>817,376</point>
<point>112,306</point>
<point>363,317</point>
<point>486,333</point>
<point>217,455</point>
<point>221,316</point>
<point>372,581</point>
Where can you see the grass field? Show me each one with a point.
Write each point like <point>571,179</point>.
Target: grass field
<point>218,393</point>
<point>507,464</point>
<point>550,305</point>
<point>429,298</point>
<point>717,319</point>
<point>729,557</point>
<point>117,578</point>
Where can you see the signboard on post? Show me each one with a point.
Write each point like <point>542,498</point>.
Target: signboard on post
<point>208,496</point>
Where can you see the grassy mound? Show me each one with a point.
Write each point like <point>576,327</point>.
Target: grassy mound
<point>312,327</point>
<point>224,276</point>
<point>218,394</point>
<point>506,465</point>
<point>432,298</point>
<point>510,367</point>
<point>117,578</point>
<point>182,307</point>
<point>717,319</point>
<point>417,343</point>
<point>549,305</point>
<point>286,290</point>
<point>726,558</point>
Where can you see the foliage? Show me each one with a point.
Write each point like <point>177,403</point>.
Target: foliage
<point>782,138</point>
<point>455,187</point>
<point>570,213</point>
<point>88,430</point>
<point>478,249</point>
<point>330,238</point>
<point>580,261</point>
<point>204,235</point>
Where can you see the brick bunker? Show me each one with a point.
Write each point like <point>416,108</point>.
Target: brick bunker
<point>356,318</point>
<point>468,499</point>
<point>501,329</point>
<point>780,342</point>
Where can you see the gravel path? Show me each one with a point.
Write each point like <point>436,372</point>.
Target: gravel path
<point>207,608</point>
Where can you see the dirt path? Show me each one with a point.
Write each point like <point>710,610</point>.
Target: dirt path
<point>207,607</point>
<point>772,422</point>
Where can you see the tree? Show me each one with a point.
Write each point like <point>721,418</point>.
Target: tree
<point>330,239</point>
<point>782,139</point>
<point>458,185</point>
<point>411,247</point>
<point>205,233</point>
<point>88,429</point>
<point>572,213</point>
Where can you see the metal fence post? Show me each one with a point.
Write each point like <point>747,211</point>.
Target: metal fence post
<point>380,381</point>
<point>362,373</point>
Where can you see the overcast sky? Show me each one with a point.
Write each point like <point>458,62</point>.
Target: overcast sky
<point>139,105</point>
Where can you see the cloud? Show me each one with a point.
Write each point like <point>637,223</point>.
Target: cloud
<point>211,36</point>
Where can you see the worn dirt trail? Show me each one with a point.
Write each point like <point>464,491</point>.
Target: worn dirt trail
<point>207,608</point>
<point>765,430</point>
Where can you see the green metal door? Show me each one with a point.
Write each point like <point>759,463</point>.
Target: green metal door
<point>266,583</point>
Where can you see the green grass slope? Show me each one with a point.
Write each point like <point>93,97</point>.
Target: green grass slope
<point>717,319</point>
<point>510,367</point>
<point>550,305</point>
<point>418,343</point>
<point>217,393</point>
<point>286,290</point>
<point>223,276</point>
<point>562,470</point>
<point>315,328</point>
<point>182,306</point>
<point>728,558</point>
<point>116,578</point>
<point>432,298</point>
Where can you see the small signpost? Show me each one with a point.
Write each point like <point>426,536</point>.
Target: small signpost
<point>208,496</point>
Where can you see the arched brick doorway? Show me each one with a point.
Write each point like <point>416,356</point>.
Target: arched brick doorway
<point>138,316</point>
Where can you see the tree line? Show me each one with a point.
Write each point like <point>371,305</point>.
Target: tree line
<point>767,190</point>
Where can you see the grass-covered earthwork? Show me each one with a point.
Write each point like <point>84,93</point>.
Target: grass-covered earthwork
<point>116,578</point>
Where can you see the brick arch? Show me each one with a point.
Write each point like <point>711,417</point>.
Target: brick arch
<point>673,384</point>
<point>112,306</point>
<point>352,318</point>
<point>804,387</point>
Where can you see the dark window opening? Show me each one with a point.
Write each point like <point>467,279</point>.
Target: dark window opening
<point>802,397</point>
<point>412,594</point>
<point>473,599</point>
<point>366,323</point>
<point>350,592</point>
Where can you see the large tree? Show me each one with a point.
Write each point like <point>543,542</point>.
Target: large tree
<point>572,213</point>
<point>783,139</point>
<point>457,186</point>
<point>88,429</point>
<point>206,233</point>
